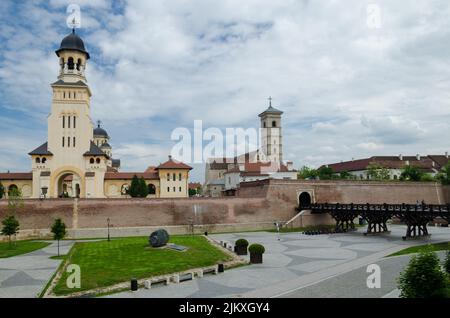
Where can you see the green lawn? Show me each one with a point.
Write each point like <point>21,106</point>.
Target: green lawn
<point>416,249</point>
<point>20,247</point>
<point>106,263</point>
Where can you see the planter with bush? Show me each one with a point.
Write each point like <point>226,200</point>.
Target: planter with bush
<point>240,247</point>
<point>256,253</point>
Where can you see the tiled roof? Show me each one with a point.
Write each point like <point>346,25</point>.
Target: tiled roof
<point>172,164</point>
<point>194,185</point>
<point>42,150</point>
<point>130,175</point>
<point>150,169</point>
<point>16,176</point>
<point>95,151</point>
<point>390,162</point>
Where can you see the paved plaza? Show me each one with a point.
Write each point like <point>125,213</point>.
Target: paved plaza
<point>304,266</point>
<point>26,275</point>
<point>295,265</point>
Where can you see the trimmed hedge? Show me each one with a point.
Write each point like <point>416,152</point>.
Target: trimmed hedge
<point>256,249</point>
<point>241,242</point>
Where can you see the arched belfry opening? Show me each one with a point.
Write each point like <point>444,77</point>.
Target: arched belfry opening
<point>70,63</point>
<point>304,200</point>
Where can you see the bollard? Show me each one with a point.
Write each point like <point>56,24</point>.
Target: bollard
<point>134,284</point>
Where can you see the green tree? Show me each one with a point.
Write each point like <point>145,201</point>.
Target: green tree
<point>422,277</point>
<point>410,173</point>
<point>2,190</point>
<point>345,175</point>
<point>325,173</point>
<point>15,201</point>
<point>444,175</point>
<point>135,186</point>
<point>192,192</point>
<point>427,177</point>
<point>377,172</point>
<point>58,230</point>
<point>447,262</point>
<point>307,173</point>
<point>10,227</point>
<point>143,188</point>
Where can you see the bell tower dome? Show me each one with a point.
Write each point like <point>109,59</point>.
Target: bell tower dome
<point>73,58</point>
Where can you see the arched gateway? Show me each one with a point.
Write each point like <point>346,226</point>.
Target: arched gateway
<point>304,200</point>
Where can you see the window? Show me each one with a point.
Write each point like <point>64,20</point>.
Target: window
<point>68,142</point>
<point>74,141</point>
<point>68,120</point>
<point>64,95</point>
<point>174,177</point>
<point>44,160</point>
<point>63,141</point>
<point>174,189</point>
<point>64,121</point>
<point>97,160</point>
<point>168,189</point>
<point>91,161</point>
<point>168,177</point>
<point>179,176</point>
<point>38,160</point>
<point>274,124</point>
<point>74,122</point>
<point>179,189</point>
<point>74,95</point>
<point>78,64</point>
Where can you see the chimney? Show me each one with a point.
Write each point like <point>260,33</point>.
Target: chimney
<point>289,165</point>
<point>400,156</point>
<point>170,157</point>
<point>418,157</point>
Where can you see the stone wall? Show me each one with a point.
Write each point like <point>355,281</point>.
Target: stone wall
<point>260,202</point>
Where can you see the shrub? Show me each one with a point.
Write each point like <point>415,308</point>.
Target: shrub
<point>2,190</point>
<point>256,249</point>
<point>10,227</point>
<point>422,277</point>
<point>241,242</point>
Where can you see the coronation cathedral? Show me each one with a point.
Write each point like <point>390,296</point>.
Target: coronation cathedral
<point>77,158</point>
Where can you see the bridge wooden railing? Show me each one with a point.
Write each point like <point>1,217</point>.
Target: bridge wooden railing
<point>415,216</point>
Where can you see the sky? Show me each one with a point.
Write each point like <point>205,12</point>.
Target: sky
<point>354,78</point>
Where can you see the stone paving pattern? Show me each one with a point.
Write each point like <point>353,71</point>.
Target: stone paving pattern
<point>297,259</point>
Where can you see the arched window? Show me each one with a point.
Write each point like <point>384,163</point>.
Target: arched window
<point>124,189</point>
<point>44,160</point>
<point>68,142</point>
<point>97,160</point>
<point>68,118</point>
<point>78,64</point>
<point>174,189</point>
<point>274,124</point>
<point>74,122</point>
<point>64,119</point>
<point>91,161</point>
<point>74,141</point>
<point>75,95</point>
<point>179,176</point>
<point>151,189</point>
<point>64,94</point>
<point>264,124</point>
<point>180,189</point>
<point>63,141</point>
<point>70,63</point>
<point>38,160</point>
<point>168,177</point>
<point>168,189</point>
<point>174,177</point>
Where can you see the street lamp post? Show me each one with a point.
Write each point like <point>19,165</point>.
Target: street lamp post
<point>108,228</point>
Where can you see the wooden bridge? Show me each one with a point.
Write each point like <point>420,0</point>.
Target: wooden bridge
<point>415,216</point>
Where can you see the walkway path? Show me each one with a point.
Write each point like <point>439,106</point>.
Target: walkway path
<point>26,275</point>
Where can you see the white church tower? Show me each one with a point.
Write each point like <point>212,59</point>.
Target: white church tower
<point>271,136</point>
<point>69,164</point>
